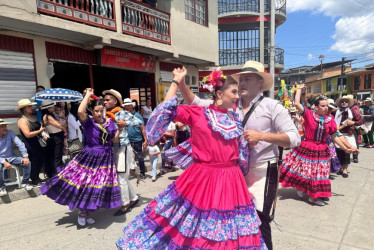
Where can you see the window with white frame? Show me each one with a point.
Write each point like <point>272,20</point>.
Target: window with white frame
<point>367,81</point>
<point>195,10</point>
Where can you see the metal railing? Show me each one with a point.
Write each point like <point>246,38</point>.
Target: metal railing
<point>229,6</point>
<point>143,21</point>
<point>93,12</point>
<point>232,6</point>
<point>240,56</point>
<point>278,57</point>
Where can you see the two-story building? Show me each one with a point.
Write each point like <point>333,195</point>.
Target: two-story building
<point>327,81</point>
<point>244,34</point>
<point>360,81</point>
<point>121,44</point>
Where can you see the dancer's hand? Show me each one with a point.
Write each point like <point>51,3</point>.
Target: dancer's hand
<point>252,137</point>
<point>89,91</point>
<point>179,74</point>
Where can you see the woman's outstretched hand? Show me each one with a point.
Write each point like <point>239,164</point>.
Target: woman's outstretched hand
<point>179,74</point>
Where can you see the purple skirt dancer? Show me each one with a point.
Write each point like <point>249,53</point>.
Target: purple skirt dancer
<point>335,163</point>
<point>89,181</point>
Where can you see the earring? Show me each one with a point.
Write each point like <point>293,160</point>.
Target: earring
<point>219,102</point>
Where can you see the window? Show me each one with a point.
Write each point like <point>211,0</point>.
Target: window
<point>187,80</point>
<point>309,89</point>
<point>195,10</point>
<point>357,82</point>
<point>317,88</point>
<point>367,81</point>
<point>328,85</point>
<point>237,47</point>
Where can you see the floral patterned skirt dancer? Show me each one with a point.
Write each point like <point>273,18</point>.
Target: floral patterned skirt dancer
<point>208,206</point>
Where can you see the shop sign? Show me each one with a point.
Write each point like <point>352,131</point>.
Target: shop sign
<point>163,88</point>
<point>127,59</point>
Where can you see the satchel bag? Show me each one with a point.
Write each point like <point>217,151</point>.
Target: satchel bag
<point>74,146</point>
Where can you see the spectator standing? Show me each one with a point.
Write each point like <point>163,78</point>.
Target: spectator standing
<point>368,116</point>
<point>30,130</point>
<point>55,143</point>
<point>136,135</point>
<point>168,139</point>
<point>154,151</point>
<point>8,158</point>
<point>146,111</point>
<point>39,103</point>
<point>355,109</point>
<point>345,120</point>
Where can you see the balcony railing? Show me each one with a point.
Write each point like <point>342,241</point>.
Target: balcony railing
<point>231,6</point>
<point>240,56</point>
<point>279,56</point>
<point>98,13</point>
<point>225,6</point>
<point>143,21</point>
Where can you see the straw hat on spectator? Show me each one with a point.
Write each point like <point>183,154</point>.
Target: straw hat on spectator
<point>332,104</point>
<point>127,101</point>
<point>47,104</point>
<point>2,122</point>
<point>24,103</point>
<point>114,93</point>
<point>368,100</point>
<point>350,100</point>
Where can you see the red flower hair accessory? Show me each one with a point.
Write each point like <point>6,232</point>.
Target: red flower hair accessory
<point>214,79</point>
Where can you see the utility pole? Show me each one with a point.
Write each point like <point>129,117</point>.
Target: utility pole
<point>272,46</point>
<point>341,78</point>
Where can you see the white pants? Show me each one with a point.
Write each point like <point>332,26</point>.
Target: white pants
<point>258,181</point>
<point>125,160</point>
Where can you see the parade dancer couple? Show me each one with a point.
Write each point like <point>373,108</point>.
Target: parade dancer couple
<point>209,205</point>
<point>89,182</point>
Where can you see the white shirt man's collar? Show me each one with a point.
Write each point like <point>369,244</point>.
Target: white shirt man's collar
<point>240,106</point>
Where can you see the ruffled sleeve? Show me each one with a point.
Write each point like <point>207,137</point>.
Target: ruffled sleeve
<point>244,156</point>
<point>160,118</point>
<point>181,154</point>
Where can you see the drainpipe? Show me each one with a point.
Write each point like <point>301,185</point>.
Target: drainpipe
<point>272,46</point>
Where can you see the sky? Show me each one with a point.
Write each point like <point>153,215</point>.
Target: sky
<point>333,28</point>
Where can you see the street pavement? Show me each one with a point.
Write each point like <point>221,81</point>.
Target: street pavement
<point>346,222</point>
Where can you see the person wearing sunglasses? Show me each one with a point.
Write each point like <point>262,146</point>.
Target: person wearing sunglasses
<point>345,119</point>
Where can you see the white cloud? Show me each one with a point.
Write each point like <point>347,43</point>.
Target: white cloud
<point>354,32</point>
<point>310,56</point>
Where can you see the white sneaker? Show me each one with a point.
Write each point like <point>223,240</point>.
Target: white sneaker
<point>317,202</point>
<point>3,191</point>
<point>27,186</point>
<point>300,193</point>
<point>153,178</point>
<point>81,221</point>
<point>90,221</point>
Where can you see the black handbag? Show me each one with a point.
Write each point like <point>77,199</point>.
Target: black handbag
<point>41,141</point>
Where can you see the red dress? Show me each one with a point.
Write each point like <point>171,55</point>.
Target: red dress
<point>208,206</point>
<point>307,167</point>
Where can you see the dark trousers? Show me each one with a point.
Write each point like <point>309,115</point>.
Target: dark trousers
<point>355,156</point>
<point>55,147</point>
<point>368,138</point>
<point>138,150</point>
<point>270,190</point>
<point>37,158</point>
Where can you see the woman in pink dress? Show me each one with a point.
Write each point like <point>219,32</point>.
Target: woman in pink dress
<point>307,167</point>
<point>208,206</point>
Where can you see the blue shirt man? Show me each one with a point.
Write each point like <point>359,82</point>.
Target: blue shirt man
<point>8,158</point>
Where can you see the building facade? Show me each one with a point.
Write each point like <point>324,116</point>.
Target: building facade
<point>360,81</point>
<point>121,44</point>
<point>244,33</point>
